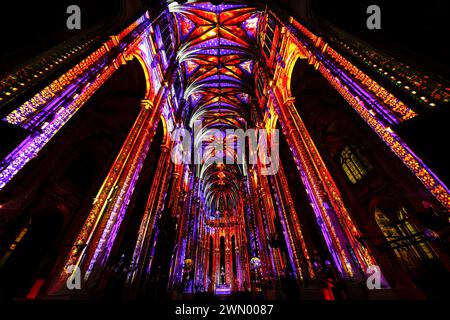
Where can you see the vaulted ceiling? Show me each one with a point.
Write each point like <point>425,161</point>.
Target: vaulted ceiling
<point>217,51</point>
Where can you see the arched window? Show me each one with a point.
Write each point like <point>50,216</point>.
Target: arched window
<point>354,164</point>
<point>403,237</point>
<point>422,249</point>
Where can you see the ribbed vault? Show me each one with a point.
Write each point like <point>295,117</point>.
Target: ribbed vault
<point>217,53</point>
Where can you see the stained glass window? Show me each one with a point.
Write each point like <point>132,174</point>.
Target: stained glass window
<point>354,164</point>
<point>404,238</point>
<point>423,249</point>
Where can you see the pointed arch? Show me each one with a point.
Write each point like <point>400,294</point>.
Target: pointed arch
<point>149,92</point>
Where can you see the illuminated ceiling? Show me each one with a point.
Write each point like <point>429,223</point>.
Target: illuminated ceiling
<point>217,50</point>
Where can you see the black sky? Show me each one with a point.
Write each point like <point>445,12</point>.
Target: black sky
<point>412,27</point>
<point>415,28</point>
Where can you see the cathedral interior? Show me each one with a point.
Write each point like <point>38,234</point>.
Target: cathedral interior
<point>353,192</point>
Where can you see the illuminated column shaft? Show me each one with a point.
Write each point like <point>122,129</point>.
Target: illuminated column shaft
<point>293,228</point>
<point>177,189</point>
<point>184,229</point>
<point>94,242</point>
<point>116,204</point>
<point>202,258</point>
<point>202,252</point>
<point>190,239</point>
<point>179,254</point>
<point>291,245</point>
<point>241,252</point>
<point>271,263</point>
<point>228,258</point>
<point>144,249</point>
<point>259,238</point>
<point>337,227</point>
<point>268,220</point>
<point>164,185</point>
<point>243,248</point>
<point>216,269</point>
<point>119,199</point>
<point>178,213</point>
<point>191,227</point>
<point>251,247</point>
<point>248,220</point>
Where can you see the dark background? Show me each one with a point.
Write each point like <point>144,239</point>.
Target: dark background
<point>28,28</point>
<point>416,29</point>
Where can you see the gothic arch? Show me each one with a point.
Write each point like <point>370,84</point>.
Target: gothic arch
<point>139,55</point>
<point>166,132</point>
<point>294,55</point>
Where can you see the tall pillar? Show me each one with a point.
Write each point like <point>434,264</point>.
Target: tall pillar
<point>91,248</point>
<point>294,236</point>
<point>147,235</point>
<point>350,257</point>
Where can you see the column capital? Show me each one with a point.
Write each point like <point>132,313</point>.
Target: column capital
<point>288,100</point>
<point>147,104</point>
